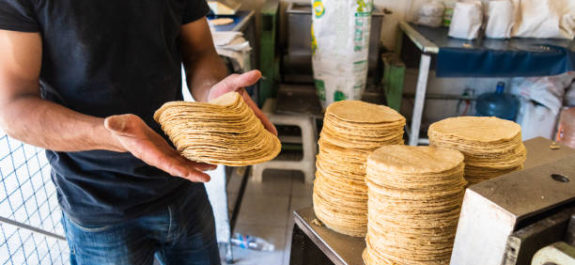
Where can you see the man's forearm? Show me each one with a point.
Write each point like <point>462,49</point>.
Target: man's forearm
<point>51,126</point>
<point>203,72</point>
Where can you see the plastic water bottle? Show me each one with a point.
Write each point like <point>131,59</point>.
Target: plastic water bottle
<point>251,242</point>
<point>498,104</point>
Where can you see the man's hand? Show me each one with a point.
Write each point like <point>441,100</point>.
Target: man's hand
<point>144,143</point>
<point>204,68</point>
<point>237,83</point>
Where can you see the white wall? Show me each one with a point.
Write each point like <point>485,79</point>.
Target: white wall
<point>400,9</point>
<point>434,109</point>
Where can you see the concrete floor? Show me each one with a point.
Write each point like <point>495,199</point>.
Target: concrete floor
<point>266,212</point>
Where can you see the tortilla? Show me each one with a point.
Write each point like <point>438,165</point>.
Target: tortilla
<point>223,131</point>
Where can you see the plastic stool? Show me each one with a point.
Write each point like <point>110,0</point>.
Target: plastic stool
<point>308,131</point>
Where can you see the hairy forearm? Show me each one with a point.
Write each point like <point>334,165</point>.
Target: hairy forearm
<point>38,122</point>
<point>204,71</point>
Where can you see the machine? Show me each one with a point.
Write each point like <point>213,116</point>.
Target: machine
<point>526,217</point>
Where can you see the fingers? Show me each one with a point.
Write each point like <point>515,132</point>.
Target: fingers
<point>263,118</point>
<point>198,176</point>
<point>249,78</point>
<point>192,175</point>
<point>177,166</point>
<point>269,125</point>
<point>204,166</point>
<point>151,148</point>
<point>235,82</point>
<point>266,122</point>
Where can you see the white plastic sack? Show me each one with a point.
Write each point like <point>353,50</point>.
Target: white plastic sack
<point>535,120</point>
<point>544,19</point>
<point>432,9</point>
<point>500,18</point>
<point>541,100</point>
<point>430,14</point>
<point>340,46</point>
<point>569,99</point>
<point>467,20</point>
<point>429,21</point>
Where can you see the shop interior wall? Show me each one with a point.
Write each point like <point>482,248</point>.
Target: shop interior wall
<point>404,10</point>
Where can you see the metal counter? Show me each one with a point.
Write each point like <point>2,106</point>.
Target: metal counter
<point>316,244</point>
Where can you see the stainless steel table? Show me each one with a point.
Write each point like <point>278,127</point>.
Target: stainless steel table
<point>316,244</point>
<point>428,49</point>
<point>480,58</point>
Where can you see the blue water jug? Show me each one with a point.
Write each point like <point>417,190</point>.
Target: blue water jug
<point>498,104</point>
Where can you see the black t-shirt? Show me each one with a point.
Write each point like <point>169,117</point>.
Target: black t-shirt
<point>105,57</point>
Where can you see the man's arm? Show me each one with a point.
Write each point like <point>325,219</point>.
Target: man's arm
<point>206,73</point>
<point>204,67</point>
<point>27,117</point>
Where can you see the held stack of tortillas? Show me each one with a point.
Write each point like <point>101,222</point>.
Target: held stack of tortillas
<point>492,146</point>
<point>224,131</point>
<point>352,129</point>
<point>415,196</point>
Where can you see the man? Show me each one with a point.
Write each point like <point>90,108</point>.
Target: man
<point>82,79</point>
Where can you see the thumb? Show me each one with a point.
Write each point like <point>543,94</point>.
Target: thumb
<point>235,81</point>
<point>248,78</point>
<point>120,124</point>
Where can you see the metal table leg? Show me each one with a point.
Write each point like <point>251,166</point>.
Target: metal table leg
<point>420,91</point>
<point>229,253</point>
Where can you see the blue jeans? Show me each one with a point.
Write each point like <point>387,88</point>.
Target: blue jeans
<point>182,233</point>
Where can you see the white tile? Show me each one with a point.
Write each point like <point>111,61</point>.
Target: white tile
<point>273,234</point>
<point>300,188</point>
<point>265,210</point>
<point>232,199</point>
<point>297,203</point>
<point>234,182</point>
<point>274,183</point>
<point>250,257</point>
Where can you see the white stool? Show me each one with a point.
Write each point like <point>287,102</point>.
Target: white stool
<point>308,139</point>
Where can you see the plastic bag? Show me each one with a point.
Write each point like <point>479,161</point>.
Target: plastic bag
<point>541,100</point>
<point>430,14</point>
<point>544,19</point>
<point>500,19</point>
<point>431,9</point>
<point>569,99</point>
<point>429,21</point>
<point>340,46</point>
<point>467,20</point>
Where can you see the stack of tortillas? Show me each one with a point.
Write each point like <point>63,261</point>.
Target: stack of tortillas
<point>415,195</point>
<point>224,131</point>
<point>352,129</point>
<point>492,146</point>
